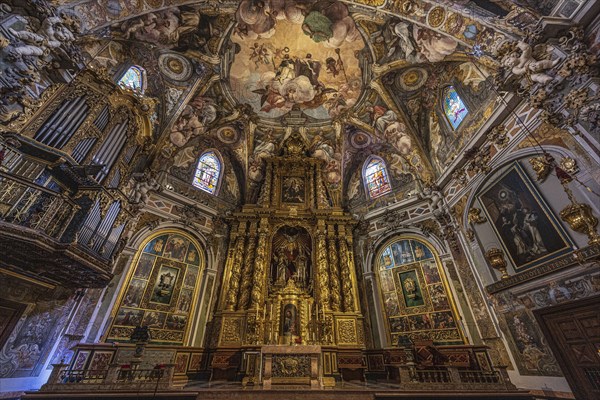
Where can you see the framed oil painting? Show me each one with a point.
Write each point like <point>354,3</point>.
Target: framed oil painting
<point>165,285</point>
<point>530,234</point>
<point>411,289</point>
<point>292,190</point>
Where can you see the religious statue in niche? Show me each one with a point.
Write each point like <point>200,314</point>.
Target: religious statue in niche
<point>291,257</point>
<point>290,327</point>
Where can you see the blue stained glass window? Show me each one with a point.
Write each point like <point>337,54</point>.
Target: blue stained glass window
<point>207,172</point>
<point>133,79</point>
<point>454,108</point>
<point>376,178</point>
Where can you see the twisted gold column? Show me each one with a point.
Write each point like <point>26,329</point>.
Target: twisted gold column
<point>248,269</point>
<point>322,270</point>
<point>334,274</point>
<point>234,279</point>
<point>260,265</point>
<point>347,262</point>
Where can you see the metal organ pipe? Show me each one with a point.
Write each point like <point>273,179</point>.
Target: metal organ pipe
<point>74,124</point>
<point>58,128</point>
<point>48,128</point>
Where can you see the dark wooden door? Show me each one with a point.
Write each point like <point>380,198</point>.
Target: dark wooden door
<point>10,312</point>
<point>573,333</point>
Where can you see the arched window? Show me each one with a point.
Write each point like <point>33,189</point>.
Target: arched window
<point>454,108</point>
<point>133,79</point>
<point>208,172</point>
<point>376,177</point>
<point>417,302</point>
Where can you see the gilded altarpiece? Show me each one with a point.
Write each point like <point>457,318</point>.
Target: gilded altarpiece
<point>161,291</point>
<point>289,276</point>
<point>416,298</point>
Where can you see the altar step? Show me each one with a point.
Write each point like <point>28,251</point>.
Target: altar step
<point>282,394</point>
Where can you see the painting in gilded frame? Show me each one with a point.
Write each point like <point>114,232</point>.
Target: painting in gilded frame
<point>165,285</point>
<point>411,289</point>
<point>293,190</point>
<point>527,229</point>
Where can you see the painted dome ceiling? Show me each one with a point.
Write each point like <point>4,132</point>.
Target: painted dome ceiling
<point>355,78</point>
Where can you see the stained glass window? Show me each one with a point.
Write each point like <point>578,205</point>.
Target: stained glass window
<point>454,108</point>
<point>376,178</point>
<point>207,172</point>
<point>133,79</point>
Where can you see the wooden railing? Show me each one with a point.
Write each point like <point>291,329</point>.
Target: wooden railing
<point>470,376</point>
<point>114,378</point>
<point>82,376</point>
<point>431,376</point>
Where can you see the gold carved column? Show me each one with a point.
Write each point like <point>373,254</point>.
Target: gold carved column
<point>334,274</point>
<point>260,265</point>
<point>236,267</point>
<point>347,266</point>
<point>248,269</point>
<point>322,267</point>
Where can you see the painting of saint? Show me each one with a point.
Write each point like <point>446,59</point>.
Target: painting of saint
<point>387,281</point>
<point>399,325</point>
<point>190,277</point>
<point>419,322</point>
<point>430,270</point>
<point>443,320</point>
<point>192,256</point>
<point>519,216</point>
<point>154,319</point>
<point>421,251</point>
<point>185,301</point>
<point>411,289</point>
<point>165,285</point>
<point>156,245</point>
<point>391,304</point>
<point>292,190</point>
<point>176,322</point>
<point>290,325</point>
<point>129,317</point>
<point>133,296</point>
<point>176,248</point>
<point>386,259</point>
<point>438,297</point>
<point>144,267</point>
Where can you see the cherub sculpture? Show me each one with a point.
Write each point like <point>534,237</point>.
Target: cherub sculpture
<point>524,63</point>
<point>141,188</point>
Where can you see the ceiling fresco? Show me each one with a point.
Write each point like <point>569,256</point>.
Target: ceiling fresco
<point>354,78</point>
<point>301,55</point>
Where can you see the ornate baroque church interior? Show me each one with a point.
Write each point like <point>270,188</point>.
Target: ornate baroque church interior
<point>299,199</point>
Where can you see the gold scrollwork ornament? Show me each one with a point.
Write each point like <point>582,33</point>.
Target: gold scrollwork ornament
<point>475,216</point>
<point>542,166</point>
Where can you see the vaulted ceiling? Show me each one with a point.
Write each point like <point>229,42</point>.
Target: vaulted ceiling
<point>357,78</point>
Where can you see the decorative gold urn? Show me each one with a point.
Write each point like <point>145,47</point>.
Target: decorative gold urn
<point>580,219</point>
<point>496,259</point>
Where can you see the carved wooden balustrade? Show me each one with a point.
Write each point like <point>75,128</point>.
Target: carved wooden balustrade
<point>115,378</point>
<point>56,223</point>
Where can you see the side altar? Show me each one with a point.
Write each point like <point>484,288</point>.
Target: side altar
<point>290,283</point>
